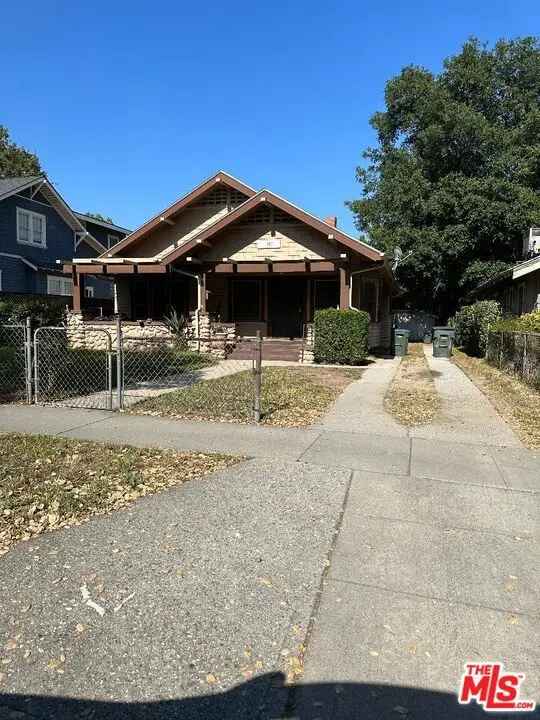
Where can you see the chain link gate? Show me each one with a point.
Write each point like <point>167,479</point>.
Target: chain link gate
<point>15,363</point>
<point>71,376</point>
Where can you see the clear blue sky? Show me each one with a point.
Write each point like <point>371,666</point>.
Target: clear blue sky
<point>129,105</point>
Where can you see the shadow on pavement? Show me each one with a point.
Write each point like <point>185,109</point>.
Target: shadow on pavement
<point>263,698</point>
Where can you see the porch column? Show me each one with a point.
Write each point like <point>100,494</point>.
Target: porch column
<point>202,292</point>
<point>344,287</point>
<point>78,291</point>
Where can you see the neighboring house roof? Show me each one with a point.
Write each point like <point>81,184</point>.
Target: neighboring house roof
<point>524,268</point>
<point>512,273</point>
<point>13,185</point>
<point>84,217</point>
<point>253,198</point>
<point>165,215</point>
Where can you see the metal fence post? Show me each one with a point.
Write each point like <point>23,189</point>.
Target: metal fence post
<point>28,359</point>
<point>257,377</point>
<point>36,367</point>
<point>119,364</point>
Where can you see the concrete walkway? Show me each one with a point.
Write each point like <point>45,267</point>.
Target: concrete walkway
<point>394,558</point>
<point>467,415</point>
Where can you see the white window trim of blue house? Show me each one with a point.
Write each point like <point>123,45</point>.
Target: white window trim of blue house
<point>58,285</point>
<point>30,241</point>
<point>112,240</point>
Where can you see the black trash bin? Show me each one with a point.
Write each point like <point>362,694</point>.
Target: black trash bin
<point>443,341</point>
<point>401,342</point>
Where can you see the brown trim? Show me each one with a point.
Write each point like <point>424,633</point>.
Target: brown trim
<point>144,269</point>
<point>78,292</point>
<point>344,284</point>
<point>276,268</point>
<point>180,204</point>
<point>90,269</point>
<point>202,306</point>
<point>121,269</point>
<point>265,196</point>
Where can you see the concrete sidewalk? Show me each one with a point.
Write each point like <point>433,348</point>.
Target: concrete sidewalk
<point>495,466</point>
<point>427,547</point>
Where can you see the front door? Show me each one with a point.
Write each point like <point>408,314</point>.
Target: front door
<point>286,297</point>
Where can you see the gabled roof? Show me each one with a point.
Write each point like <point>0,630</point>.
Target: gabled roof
<point>11,186</point>
<point>84,217</point>
<point>153,223</point>
<point>524,268</point>
<point>266,196</point>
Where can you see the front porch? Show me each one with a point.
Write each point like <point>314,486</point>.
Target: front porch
<point>244,299</point>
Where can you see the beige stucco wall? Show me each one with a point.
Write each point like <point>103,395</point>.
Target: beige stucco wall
<point>296,243</point>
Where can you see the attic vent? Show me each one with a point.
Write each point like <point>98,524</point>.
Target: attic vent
<point>264,215</point>
<point>219,196</point>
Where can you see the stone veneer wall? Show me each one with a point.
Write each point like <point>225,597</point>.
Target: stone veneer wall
<point>306,354</point>
<point>89,334</point>
<point>209,336</point>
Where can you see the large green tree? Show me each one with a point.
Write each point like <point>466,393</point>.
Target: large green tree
<point>15,161</point>
<point>455,177</point>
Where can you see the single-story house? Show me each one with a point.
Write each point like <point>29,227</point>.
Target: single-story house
<point>518,288</point>
<point>242,257</point>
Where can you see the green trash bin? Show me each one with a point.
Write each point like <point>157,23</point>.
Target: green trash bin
<point>401,342</point>
<point>443,341</point>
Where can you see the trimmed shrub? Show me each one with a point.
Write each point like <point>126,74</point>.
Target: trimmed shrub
<point>341,336</point>
<point>529,323</point>
<point>472,325</point>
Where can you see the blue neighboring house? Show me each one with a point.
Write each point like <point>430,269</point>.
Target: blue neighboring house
<point>38,231</point>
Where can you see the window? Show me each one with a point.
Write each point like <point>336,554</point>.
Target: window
<point>369,297</point>
<point>89,292</point>
<point>112,240</point>
<point>31,228</point>
<point>58,285</point>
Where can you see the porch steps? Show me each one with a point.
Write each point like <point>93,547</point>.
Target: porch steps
<point>288,350</point>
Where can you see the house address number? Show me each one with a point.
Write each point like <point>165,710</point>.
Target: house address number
<point>269,243</point>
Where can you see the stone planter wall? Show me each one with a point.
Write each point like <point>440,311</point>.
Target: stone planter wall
<point>306,355</point>
<point>209,336</point>
<point>88,334</point>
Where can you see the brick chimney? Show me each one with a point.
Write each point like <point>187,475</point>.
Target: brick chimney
<point>332,220</point>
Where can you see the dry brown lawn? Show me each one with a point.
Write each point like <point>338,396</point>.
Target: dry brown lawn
<point>516,402</point>
<point>412,398</point>
<point>47,483</point>
<point>290,396</point>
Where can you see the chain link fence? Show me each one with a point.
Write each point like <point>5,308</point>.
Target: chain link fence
<point>15,363</point>
<point>517,353</point>
<point>198,378</point>
<point>70,376</point>
<point>191,378</point>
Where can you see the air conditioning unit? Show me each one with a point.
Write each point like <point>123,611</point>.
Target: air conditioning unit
<point>531,243</point>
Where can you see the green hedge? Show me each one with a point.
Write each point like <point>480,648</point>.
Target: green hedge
<point>42,311</point>
<point>341,336</point>
<point>472,324</point>
<point>526,323</point>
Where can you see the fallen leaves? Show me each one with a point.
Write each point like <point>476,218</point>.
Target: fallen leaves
<point>412,398</point>
<point>88,479</point>
<point>291,397</point>
<point>515,401</point>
